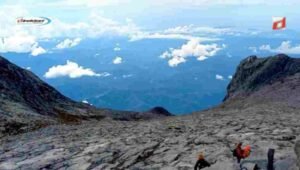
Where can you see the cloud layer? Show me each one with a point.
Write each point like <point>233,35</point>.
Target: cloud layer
<point>189,29</point>
<point>117,60</point>
<point>37,51</point>
<point>68,43</point>
<point>117,49</point>
<point>22,38</point>
<point>72,70</point>
<point>219,77</point>
<point>21,44</point>
<point>193,48</point>
<point>285,47</point>
<point>92,4</point>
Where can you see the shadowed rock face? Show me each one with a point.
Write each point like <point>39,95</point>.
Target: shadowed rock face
<point>272,78</point>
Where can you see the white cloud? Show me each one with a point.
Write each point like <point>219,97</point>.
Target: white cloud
<point>189,29</point>
<point>265,47</point>
<point>166,54</point>
<point>175,60</point>
<point>219,77</point>
<point>228,55</point>
<point>92,4</point>
<point>146,35</point>
<point>17,43</point>
<point>85,101</point>
<point>21,43</point>
<point>105,74</point>
<point>38,51</point>
<point>117,49</point>
<point>253,49</point>
<point>285,47</point>
<point>127,76</point>
<point>203,3</point>
<point>117,60</point>
<point>72,70</point>
<point>192,48</point>
<point>93,26</point>
<point>81,3</point>
<point>100,25</point>
<point>230,77</point>
<point>179,29</point>
<point>68,43</point>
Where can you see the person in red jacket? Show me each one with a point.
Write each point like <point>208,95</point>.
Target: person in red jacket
<point>241,153</point>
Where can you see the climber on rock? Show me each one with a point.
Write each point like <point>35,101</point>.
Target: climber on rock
<point>201,162</point>
<point>241,153</point>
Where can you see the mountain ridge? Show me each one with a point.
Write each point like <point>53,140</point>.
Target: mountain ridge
<point>271,79</point>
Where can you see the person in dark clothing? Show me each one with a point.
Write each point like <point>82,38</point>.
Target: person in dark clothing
<point>238,151</point>
<point>271,153</point>
<point>201,163</point>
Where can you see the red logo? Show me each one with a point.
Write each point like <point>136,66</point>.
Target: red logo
<point>279,23</point>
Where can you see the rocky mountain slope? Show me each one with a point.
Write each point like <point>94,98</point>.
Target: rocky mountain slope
<point>271,79</point>
<point>27,102</point>
<point>174,142</point>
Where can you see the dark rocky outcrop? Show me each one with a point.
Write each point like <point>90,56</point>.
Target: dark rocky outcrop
<point>160,111</point>
<point>274,78</point>
<point>154,113</point>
